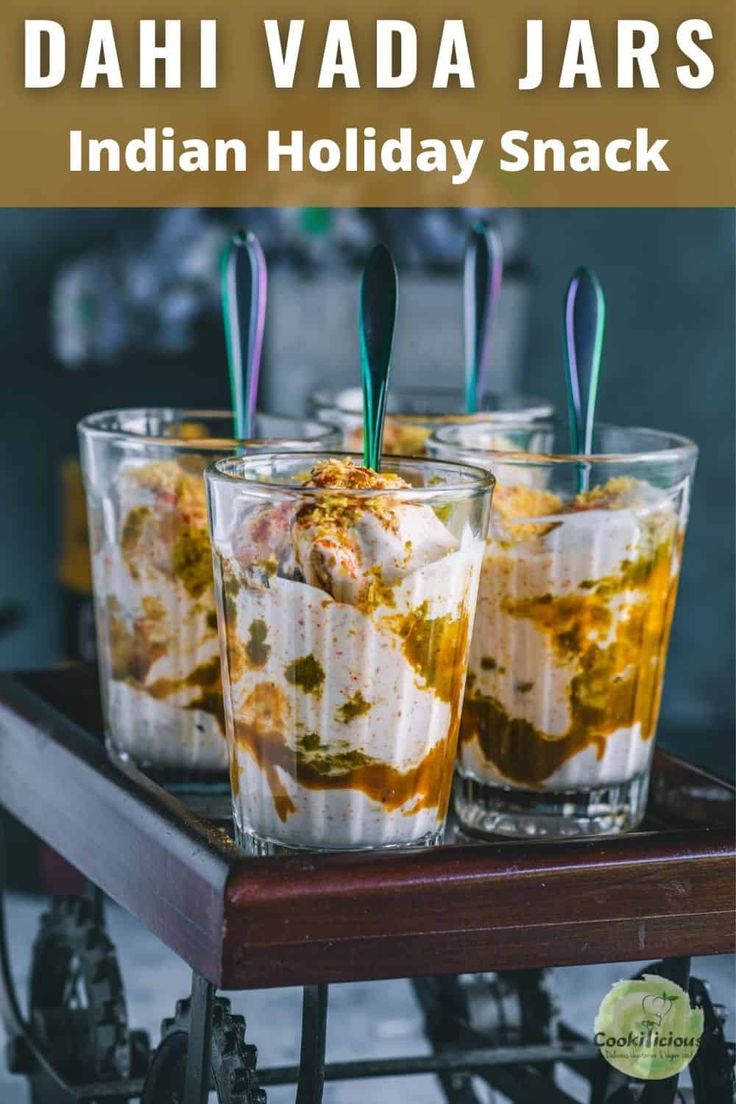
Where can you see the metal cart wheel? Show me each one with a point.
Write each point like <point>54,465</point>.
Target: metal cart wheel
<point>77,1001</point>
<point>77,1030</point>
<point>230,1068</point>
<point>203,1048</point>
<point>501,1009</point>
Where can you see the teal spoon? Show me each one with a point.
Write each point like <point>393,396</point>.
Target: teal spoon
<point>482,275</point>
<point>379,299</point>
<point>243,286</point>
<point>585,319</point>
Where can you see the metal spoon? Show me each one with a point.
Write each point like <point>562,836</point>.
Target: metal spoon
<point>243,287</point>
<point>585,316</point>
<point>379,298</point>
<point>482,275</point>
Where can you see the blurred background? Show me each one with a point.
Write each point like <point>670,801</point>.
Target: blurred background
<point>104,308</point>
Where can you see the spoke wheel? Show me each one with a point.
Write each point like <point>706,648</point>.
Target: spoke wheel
<point>232,1060</point>
<point>77,1001</point>
<point>499,1009</point>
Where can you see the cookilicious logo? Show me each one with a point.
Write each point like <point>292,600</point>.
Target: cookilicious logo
<point>647,1028</point>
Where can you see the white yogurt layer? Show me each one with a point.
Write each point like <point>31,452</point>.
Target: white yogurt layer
<point>516,659</point>
<point>158,643</point>
<point>164,733</point>
<point>371,700</point>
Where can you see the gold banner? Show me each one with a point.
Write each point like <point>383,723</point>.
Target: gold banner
<point>430,146</point>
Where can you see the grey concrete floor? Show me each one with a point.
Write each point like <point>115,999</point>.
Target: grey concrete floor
<point>366,1019</point>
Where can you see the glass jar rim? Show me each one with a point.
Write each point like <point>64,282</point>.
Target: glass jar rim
<point>673,446</point>
<point>325,398</point>
<point>478,480</point>
<point>93,425</point>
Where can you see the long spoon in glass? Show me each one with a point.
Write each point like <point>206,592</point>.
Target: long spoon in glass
<point>585,319</point>
<point>243,287</point>
<point>379,300</point>
<point>482,275</point>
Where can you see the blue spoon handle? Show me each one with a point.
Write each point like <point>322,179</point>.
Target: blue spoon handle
<point>243,290</point>
<point>379,299</point>
<point>482,277</point>
<point>585,316</point>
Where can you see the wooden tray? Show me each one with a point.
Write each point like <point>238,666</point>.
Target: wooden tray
<point>247,922</point>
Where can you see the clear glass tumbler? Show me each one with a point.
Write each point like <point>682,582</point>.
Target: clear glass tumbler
<point>152,575</point>
<point>574,611</point>
<point>346,602</point>
<point>413,413</point>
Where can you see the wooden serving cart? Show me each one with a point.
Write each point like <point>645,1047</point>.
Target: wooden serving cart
<point>476,925</point>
